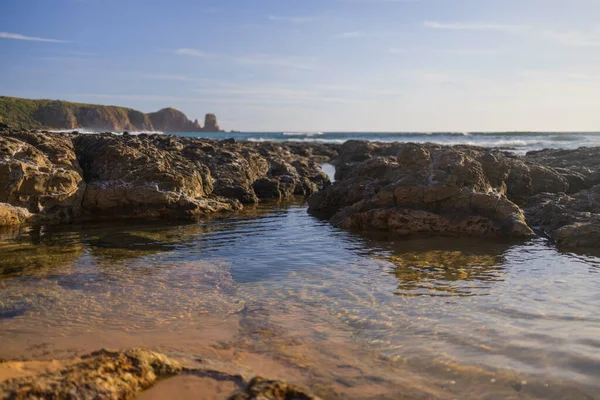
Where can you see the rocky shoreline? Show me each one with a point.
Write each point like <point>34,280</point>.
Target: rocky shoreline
<point>402,188</point>
<point>106,374</point>
<point>61,178</point>
<point>408,188</point>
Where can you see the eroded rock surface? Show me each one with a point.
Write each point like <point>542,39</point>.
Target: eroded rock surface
<point>580,167</point>
<point>101,375</point>
<point>409,188</point>
<point>264,389</point>
<point>62,177</point>
<point>13,216</point>
<point>125,374</point>
<point>41,174</point>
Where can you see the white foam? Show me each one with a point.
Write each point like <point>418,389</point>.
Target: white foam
<point>302,133</point>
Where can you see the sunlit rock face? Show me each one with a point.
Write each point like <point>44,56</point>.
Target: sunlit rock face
<point>65,177</point>
<point>41,174</point>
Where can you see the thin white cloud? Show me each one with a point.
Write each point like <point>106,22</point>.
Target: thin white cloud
<point>278,61</point>
<point>192,52</point>
<point>351,35</point>
<point>289,62</point>
<point>476,26</point>
<point>17,36</point>
<point>468,52</point>
<point>361,34</point>
<point>397,50</point>
<point>296,19</point>
<point>574,38</point>
<point>168,77</point>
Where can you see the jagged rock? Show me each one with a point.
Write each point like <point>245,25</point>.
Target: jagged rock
<point>580,167</point>
<point>101,375</point>
<point>12,216</point>
<point>40,172</point>
<point>409,188</point>
<point>61,177</point>
<point>264,389</point>
<point>145,176</point>
<point>210,123</point>
<point>571,220</point>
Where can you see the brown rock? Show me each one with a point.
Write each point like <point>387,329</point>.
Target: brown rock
<point>264,389</point>
<point>571,220</point>
<point>41,173</point>
<point>101,375</point>
<point>172,120</point>
<point>13,216</point>
<point>409,188</point>
<point>211,124</point>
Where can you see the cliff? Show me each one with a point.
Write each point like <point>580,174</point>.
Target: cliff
<point>57,114</point>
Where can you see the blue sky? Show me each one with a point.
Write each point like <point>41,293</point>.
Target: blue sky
<point>358,65</point>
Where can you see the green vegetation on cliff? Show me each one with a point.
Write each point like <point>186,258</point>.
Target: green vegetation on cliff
<point>57,114</point>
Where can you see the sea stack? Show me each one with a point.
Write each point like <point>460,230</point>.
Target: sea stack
<point>211,124</point>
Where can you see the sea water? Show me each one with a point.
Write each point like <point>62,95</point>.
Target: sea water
<point>287,295</point>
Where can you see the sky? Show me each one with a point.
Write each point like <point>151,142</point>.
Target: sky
<point>315,65</point>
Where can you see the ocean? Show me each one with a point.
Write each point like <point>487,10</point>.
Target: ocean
<point>519,142</point>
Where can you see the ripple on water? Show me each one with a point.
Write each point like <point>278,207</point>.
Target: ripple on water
<point>436,304</point>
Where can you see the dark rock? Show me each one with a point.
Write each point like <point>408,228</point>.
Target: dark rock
<point>571,220</point>
<point>211,124</point>
<point>579,167</point>
<point>264,389</point>
<point>409,188</point>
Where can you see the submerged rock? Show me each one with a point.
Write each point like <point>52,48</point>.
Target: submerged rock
<point>264,389</point>
<point>409,188</point>
<point>101,375</point>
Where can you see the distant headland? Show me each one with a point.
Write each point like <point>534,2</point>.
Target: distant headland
<point>58,114</point>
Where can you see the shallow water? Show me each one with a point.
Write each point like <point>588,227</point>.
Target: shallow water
<point>474,318</point>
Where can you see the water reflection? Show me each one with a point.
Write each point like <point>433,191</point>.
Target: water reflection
<point>475,307</point>
<point>447,268</point>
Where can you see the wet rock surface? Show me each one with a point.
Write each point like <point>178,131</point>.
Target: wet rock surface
<point>63,177</point>
<point>100,375</point>
<point>107,374</point>
<point>260,388</point>
<point>13,216</point>
<point>407,189</point>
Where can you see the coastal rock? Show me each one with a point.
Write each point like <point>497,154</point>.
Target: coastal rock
<point>40,172</point>
<point>61,177</point>
<point>579,167</point>
<point>63,115</point>
<point>101,375</point>
<point>264,389</point>
<point>409,188</point>
<point>13,216</point>
<point>571,220</point>
<point>172,120</point>
<point>211,124</point>
<point>145,176</point>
